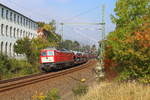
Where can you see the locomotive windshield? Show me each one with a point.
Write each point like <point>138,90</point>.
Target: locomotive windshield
<point>43,53</point>
<point>50,53</point>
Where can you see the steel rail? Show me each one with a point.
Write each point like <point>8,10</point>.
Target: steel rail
<point>7,85</point>
<point>19,78</point>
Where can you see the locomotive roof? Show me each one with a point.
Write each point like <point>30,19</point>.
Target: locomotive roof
<point>65,50</point>
<point>62,50</point>
<point>50,48</point>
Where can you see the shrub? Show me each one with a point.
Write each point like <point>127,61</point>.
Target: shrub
<point>80,90</point>
<point>53,95</point>
<point>10,68</point>
<point>5,65</point>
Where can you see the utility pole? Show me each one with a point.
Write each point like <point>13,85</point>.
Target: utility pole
<point>62,26</point>
<point>102,28</point>
<point>102,43</point>
<point>100,66</point>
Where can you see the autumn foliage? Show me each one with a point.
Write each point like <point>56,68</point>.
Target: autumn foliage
<point>131,58</point>
<point>127,51</point>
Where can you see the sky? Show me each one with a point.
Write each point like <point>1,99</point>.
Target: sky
<point>72,13</point>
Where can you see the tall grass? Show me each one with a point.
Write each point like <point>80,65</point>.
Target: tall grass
<point>116,91</point>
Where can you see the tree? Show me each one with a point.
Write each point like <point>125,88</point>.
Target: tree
<point>41,24</point>
<point>67,44</point>
<point>24,46</point>
<point>76,46</point>
<point>93,49</point>
<point>127,48</point>
<point>50,30</point>
<point>53,26</point>
<point>70,45</point>
<point>130,12</point>
<point>86,48</point>
<point>31,48</point>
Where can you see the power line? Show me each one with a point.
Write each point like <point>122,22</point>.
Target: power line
<point>81,34</point>
<point>82,13</point>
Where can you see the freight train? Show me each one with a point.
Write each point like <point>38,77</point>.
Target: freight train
<point>52,58</point>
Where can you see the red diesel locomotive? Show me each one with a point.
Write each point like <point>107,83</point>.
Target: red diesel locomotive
<point>52,58</point>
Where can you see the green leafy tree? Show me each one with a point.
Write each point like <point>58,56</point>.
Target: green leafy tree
<point>24,46</point>
<point>93,49</point>
<point>31,48</point>
<point>67,44</point>
<point>123,51</point>
<point>41,24</point>
<point>50,30</point>
<point>130,12</point>
<point>76,45</point>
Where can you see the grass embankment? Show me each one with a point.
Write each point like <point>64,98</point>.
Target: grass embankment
<point>116,91</point>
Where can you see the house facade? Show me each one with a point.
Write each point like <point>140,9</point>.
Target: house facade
<point>14,26</point>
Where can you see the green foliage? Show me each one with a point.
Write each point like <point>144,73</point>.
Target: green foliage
<point>53,95</point>
<point>24,46</point>
<point>38,44</point>
<point>50,30</point>
<point>40,24</point>
<point>51,27</point>
<point>31,48</point>
<point>70,45</point>
<point>5,65</point>
<point>80,89</point>
<point>127,48</point>
<point>22,67</point>
<point>10,67</point>
<point>130,12</point>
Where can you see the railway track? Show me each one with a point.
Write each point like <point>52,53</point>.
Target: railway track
<point>7,85</point>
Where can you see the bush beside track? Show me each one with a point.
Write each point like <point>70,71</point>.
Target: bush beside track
<point>10,68</point>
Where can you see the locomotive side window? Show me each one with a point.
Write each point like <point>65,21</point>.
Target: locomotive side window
<point>50,53</point>
<point>43,53</point>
